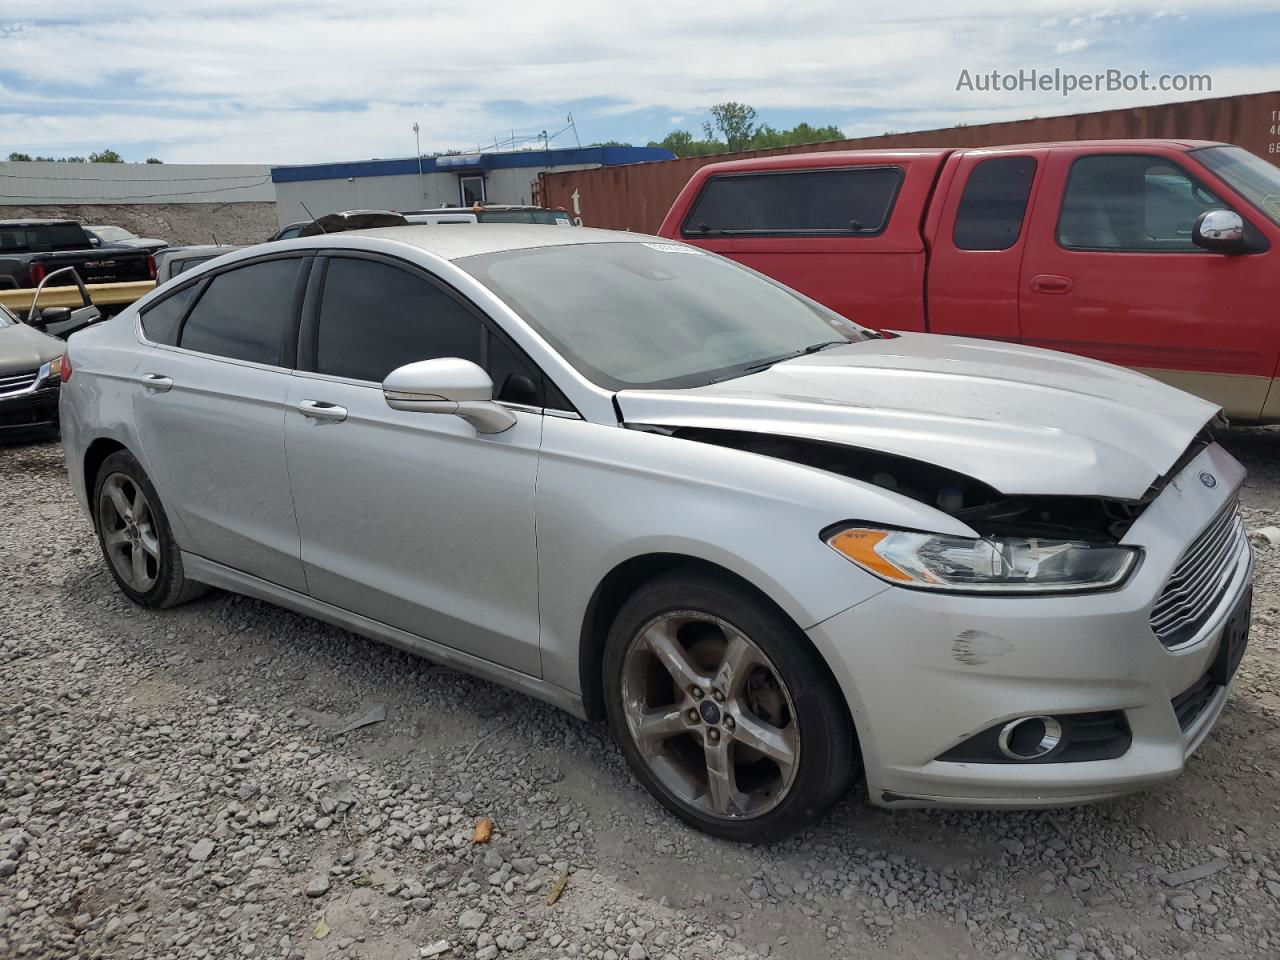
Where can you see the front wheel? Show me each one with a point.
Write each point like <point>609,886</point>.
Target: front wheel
<point>724,709</point>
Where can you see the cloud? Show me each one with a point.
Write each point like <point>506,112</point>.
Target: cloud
<point>315,80</point>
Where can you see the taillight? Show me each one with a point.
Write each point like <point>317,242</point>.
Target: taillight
<point>151,266</point>
<point>64,371</point>
<point>37,274</point>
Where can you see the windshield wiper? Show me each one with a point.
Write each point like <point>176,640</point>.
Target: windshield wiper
<point>766,364</point>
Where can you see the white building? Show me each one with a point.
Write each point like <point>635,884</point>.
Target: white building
<point>415,183</point>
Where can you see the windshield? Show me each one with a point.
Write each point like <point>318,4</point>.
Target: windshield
<point>655,314</point>
<point>1251,176</point>
<point>112,234</point>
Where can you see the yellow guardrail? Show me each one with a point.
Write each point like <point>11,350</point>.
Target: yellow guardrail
<point>102,294</point>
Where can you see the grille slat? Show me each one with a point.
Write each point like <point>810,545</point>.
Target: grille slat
<point>1197,583</point>
<point>17,381</point>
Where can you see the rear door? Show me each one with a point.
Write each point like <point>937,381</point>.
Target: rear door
<point>209,408</point>
<point>977,234</point>
<point>1110,272</point>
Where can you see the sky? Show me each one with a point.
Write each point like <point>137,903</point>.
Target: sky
<point>302,81</point>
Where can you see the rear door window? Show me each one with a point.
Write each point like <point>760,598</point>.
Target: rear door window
<point>850,200</point>
<point>243,313</point>
<point>994,203</point>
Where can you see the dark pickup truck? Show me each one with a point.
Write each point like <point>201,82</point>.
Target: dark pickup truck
<point>32,249</point>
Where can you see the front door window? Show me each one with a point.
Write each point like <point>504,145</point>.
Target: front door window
<point>472,189</point>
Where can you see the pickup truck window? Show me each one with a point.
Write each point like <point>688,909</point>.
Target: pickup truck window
<point>1131,203</point>
<point>835,202</point>
<point>43,238</point>
<point>993,203</point>
<point>1252,177</point>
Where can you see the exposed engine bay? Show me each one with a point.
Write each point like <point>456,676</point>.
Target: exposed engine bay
<point>981,507</point>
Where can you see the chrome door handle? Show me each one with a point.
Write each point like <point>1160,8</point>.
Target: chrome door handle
<point>319,410</point>
<point>157,382</point>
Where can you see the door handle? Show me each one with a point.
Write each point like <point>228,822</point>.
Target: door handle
<point>1050,283</point>
<point>319,410</point>
<point>157,382</point>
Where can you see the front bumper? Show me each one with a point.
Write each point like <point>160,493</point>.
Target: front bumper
<point>923,672</point>
<point>27,410</point>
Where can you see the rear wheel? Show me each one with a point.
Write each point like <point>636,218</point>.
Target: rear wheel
<point>135,536</point>
<point>724,710</point>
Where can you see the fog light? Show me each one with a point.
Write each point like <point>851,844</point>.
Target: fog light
<point>1030,738</point>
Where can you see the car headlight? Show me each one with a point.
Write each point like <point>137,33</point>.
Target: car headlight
<point>984,564</point>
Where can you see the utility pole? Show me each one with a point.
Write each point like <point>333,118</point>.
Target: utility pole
<point>417,145</point>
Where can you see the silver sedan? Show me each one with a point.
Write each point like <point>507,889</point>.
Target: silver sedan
<point>778,551</point>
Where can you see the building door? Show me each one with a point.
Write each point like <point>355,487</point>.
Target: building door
<point>471,190</point>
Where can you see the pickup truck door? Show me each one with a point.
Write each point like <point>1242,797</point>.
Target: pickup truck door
<point>976,234</point>
<point>1110,272</point>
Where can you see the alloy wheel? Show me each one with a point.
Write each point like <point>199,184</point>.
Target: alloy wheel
<point>710,714</point>
<point>128,530</point>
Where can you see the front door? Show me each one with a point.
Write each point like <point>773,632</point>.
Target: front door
<point>209,404</point>
<point>408,518</point>
<point>1112,274</point>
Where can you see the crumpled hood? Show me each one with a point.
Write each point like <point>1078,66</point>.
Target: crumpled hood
<point>24,348</point>
<point>1020,419</point>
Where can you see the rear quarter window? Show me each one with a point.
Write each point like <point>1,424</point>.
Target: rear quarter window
<point>161,320</point>
<point>845,201</point>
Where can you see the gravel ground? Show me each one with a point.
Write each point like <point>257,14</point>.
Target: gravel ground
<point>177,223</point>
<point>181,784</point>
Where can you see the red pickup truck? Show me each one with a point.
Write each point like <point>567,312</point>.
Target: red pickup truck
<point>1159,255</point>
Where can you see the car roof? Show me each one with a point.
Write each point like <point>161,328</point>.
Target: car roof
<point>478,239</point>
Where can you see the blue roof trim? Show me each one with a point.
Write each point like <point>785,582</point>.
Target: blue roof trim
<point>604,156</point>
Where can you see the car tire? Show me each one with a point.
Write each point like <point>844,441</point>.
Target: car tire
<point>134,535</point>
<point>755,704</point>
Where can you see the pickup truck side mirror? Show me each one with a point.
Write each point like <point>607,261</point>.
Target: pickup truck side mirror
<point>1221,231</point>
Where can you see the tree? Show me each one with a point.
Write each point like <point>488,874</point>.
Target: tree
<point>20,157</point>
<point>736,121</point>
<point>682,144</point>
<point>71,160</point>
<point>105,156</point>
<point>154,160</point>
<point>608,143</point>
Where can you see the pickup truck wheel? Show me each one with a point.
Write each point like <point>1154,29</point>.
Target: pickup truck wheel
<point>724,710</point>
<point>135,536</point>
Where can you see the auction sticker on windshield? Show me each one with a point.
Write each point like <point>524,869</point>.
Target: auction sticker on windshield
<point>674,248</point>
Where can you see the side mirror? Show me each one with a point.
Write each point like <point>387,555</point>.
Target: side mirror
<point>95,242</point>
<point>1221,231</point>
<point>448,385</point>
<point>48,316</point>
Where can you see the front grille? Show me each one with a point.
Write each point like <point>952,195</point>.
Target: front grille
<point>1199,580</point>
<point>1189,704</point>
<point>13,382</point>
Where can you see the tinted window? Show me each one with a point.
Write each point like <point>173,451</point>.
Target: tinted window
<point>1133,203</point>
<point>993,203</point>
<point>43,238</point>
<point>160,322</point>
<point>243,312</point>
<point>851,200</point>
<point>375,317</point>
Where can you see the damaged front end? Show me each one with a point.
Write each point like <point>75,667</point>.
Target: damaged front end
<point>985,510</point>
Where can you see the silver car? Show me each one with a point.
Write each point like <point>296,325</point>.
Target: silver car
<point>779,552</point>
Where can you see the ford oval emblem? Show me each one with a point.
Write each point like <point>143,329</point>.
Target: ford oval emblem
<point>1208,479</point>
